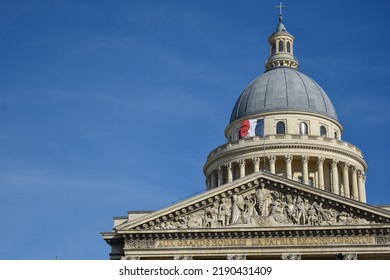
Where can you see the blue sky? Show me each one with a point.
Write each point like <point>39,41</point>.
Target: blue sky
<point>110,106</point>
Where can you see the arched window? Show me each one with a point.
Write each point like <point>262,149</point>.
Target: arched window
<point>336,135</point>
<point>280,128</point>
<point>281,49</point>
<point>323,131</point>
<point>273,48</point>
<point>288,47</point>
<point>303,129</point>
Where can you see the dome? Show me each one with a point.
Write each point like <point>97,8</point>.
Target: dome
<point>283,89</point>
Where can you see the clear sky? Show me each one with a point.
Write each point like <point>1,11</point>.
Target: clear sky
<point>110,106</point>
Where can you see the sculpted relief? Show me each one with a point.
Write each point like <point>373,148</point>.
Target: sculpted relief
<point>262,207</point>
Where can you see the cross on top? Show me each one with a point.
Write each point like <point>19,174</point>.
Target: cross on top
<point>281,8</point>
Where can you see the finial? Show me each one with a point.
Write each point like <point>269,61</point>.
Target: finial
<point>281,9</point>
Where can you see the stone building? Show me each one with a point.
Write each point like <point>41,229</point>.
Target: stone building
<point>284,186</point>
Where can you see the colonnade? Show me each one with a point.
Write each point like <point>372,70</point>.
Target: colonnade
<point>342,178</point>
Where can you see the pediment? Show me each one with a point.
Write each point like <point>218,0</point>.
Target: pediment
<point>261,200</point>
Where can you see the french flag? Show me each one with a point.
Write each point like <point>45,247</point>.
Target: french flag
<point>251,128</point>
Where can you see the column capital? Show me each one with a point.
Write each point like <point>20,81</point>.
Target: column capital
<point>305,159</point>
<point>288,158</point>
<point>219,169</point>
<point>334,163</point>
<point>241,162</point>
<point>272,158</point>
<point>345,166</point>
<point>360,173</point>
<point>354,170</point>
<point>256,160</point>
<point>228,165</point>
<point>320,160</point>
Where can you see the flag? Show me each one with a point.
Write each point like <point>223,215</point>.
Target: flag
<point>251,128</point>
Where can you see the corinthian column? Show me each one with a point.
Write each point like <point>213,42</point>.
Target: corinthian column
<point>229,172</point>
<point>305,169</point>
<point>220,176</point>
<point>289,159</point>
<point>241,162</point>
<point>321,181</point>
<point>362,190</point>
<point>272,160</point>
<point>256,164</point>
<point>355,193</point>
<point>335,177</point>
<point>345,168</point>
<point>213,180</point>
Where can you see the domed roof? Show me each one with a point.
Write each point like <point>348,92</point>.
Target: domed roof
<point>283,89</point>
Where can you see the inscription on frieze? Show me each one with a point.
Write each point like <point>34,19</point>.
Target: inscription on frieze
<point>282,241</point>
<point>140,244</point>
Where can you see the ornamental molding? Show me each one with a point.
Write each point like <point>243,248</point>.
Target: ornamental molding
<point>260,200</point>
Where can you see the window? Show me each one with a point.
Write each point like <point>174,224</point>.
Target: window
<point>336,135</point>
<point>281,49</point>
<point>280,128</point>
<point>288,47</point>
<point>323,131</point>
<point>303,129</point>
<point>273,48</point>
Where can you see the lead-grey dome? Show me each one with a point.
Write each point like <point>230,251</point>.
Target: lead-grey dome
<point>283,89</point>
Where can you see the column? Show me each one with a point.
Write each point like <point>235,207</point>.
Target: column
<point>272,161</point>
<point>321,180</point>
<point>345,168</point>
<point>220,175</point>
<point>229,172</point>
<point>305,169</point>
<point>213,180</point>
<point>256,164</point>
<point>241,162</point>
<point>355,193</point>
<point>335,177</point>
<point>362,191</point>
<point>208,182</point>
<point>289,159</point>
